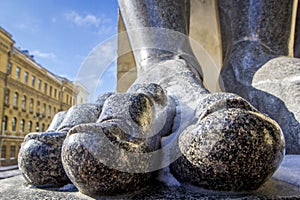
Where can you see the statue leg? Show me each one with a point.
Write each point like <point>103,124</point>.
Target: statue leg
<point>255,37</point>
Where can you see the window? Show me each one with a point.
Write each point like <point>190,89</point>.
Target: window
<point>16,99</point>
<point>12,152</point>
<point>38,108</point>
<point>14,124</point>
<point>43,127</point>
<point>45,88</point>
<point>29,127</point>
<point>22,126</point>
<point>37,127</point>
<point>55,92</point>
<point>3,152</point>
<point>18,72</point>
<point>32,81</point>
<point>25,77</point>
<point>24,99</point>
<point>54,110</point>
<point>39,84</point>
<point>49,111</point>
<point>8,68</point>
<point>67,99</point>
<point>50,91</point>
<point>31,105</point>
<point>6,97</point>
<point>4,124</point>
<point>44,110</point>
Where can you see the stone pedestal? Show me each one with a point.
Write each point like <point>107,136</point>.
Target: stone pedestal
<point>276,188</point>
<point>14,188</point>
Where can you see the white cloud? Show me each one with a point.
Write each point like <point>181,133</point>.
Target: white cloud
<point>83,20</point>
<point>53,19</point>
<point>27,26</point>
<point>40,54</point>
<point>99,62</point>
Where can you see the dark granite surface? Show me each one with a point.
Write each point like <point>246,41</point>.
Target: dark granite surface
<point>40,154</point>
<point>103,157</point>
<point>254,33</point>
<point>232,147</point>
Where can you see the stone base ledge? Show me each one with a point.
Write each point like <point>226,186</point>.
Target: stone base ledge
<point>15,188</point>
<point>285,184</point>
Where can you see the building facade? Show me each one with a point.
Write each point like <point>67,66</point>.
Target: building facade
<point>30,96</point>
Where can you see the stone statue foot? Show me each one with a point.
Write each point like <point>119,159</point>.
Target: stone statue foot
<point>226,145</point>
<point>115,155</point>
<point>270,84</point>
<point>223,146</point>
<point>231,147</point>
<point>99,159</point>
<point>224,141</point>
<point>39,158</point>
<point>111,147</point>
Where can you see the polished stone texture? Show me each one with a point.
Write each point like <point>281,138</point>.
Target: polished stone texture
<point>231,149</point>
<point>40,154</point>
<point>277,85</point>
<point>40,161</point>
<point>249,42</point>
<point>226,144</point>
<point>84,151</point>
<point>103,157</point>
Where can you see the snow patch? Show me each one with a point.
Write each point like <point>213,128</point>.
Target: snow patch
<point>167,178</point>
<point>68,188</point>
<point>289,171</point>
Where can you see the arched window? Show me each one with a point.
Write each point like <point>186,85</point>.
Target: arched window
<point>6,97</point>
<point>31,105</point>
<point>49,111</point>
<point>22,126</point>
<point>29,128</point>
<point>18,72</point>
<point>14,124</point>
<point>16,99</point>
<point>44,110</point>
<point>43,127</point>
<point>38,108</point>
<point>24,99</point>
<point>4,124</point>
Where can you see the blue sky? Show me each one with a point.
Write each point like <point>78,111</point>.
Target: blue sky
<point>62,33</point>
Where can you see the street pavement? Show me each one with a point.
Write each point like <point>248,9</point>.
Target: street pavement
<point>9,171</point>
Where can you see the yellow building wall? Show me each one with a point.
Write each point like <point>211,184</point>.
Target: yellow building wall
<point>55,94</point>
